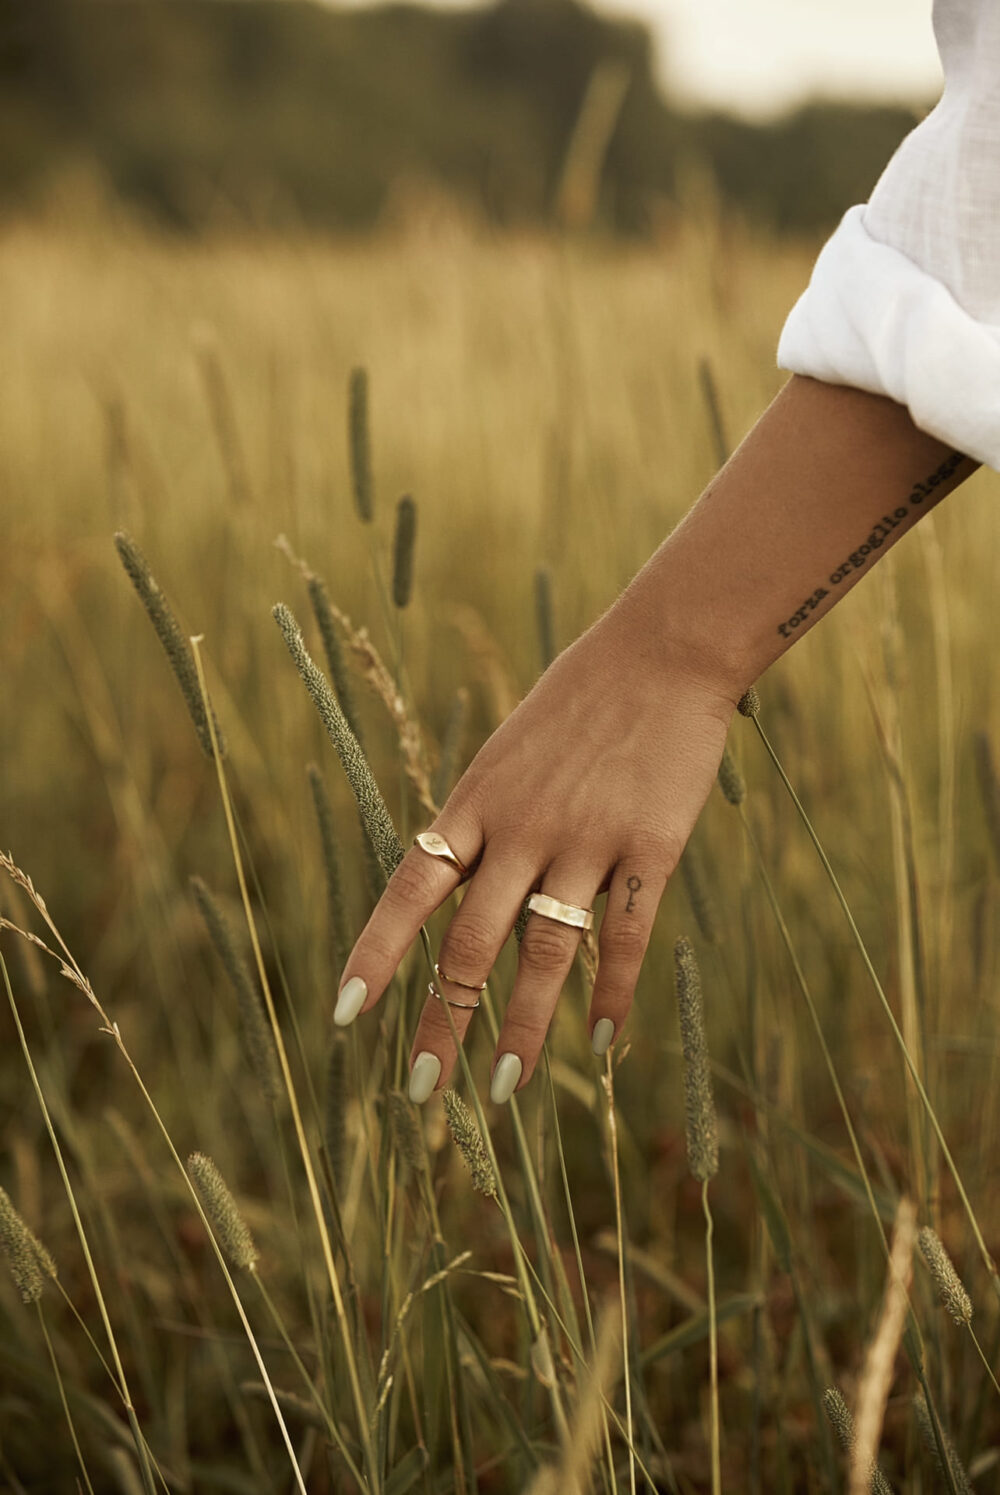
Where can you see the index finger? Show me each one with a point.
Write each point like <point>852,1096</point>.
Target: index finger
<point>419,885</point>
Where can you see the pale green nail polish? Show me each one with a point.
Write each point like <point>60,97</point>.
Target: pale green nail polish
<point>350,1002</point>
<point>600,1039</point>
<point>423,1076</point>
<point>505,1078</point>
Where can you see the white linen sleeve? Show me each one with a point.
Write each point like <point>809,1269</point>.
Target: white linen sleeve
<point>904,299</point>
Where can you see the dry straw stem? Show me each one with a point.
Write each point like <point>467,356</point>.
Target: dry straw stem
<point>374,814</point>
<point>842,1423</point>
<point>876,1376</point>
<point>403,546</point>
<point>700,1118</point>
<point>543,616</point>
<point>223,415</point>
<point>720,443</point>
<point>946,1279</point>
<point>360,444</point>
<point>21,1251</point>
<point>171,636</point>
<point>468,1139</point>
<point>232,1231</point>
<point>257,1038</point>
<point>959,1478</point>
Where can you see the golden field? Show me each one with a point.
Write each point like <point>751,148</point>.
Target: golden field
<point>541,401</point>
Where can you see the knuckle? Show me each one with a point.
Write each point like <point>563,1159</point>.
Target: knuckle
<point>470,944</point>
<point>410,883</point>
<point>623,940</point>
<point>658,849</point>
<point>546,947</point>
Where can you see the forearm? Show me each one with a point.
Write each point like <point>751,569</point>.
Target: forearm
<point>826,481</point>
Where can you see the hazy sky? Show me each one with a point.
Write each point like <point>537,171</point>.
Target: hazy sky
<point>759,56</point>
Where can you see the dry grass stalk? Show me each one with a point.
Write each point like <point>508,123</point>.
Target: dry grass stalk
<point>223,416</point>
<point>700,1118</point>
<point>958,1475</point>
<point>466,1136</point>
<point>842,1422</point>
<point>360,444</point>
<point>877,1374</point>
<point>174,640</point>
<point>378,676</point>
<point>946,1279</point>
<point>375,816</point>
<point>22,1251</point>
<point>257,1039</point>
<point>340,944</point>
<point>731,781</point>
<point>989,789</point>
<point>231,1230</point>
<point>404,542</point>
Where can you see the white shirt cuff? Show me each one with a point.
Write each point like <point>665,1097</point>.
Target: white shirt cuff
<point>872,318</point>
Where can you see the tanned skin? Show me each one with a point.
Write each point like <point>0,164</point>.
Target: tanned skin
<point>596,780</point>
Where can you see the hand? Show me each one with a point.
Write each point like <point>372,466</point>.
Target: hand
<point>593,783</point>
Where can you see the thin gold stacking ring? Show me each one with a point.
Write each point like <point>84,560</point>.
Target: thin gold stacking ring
<point>454,981</point>
<point>563,913</point>
<point>436,846</point>
<point>432,991</point>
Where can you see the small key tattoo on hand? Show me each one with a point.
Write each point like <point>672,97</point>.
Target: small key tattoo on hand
<point>633,884</point>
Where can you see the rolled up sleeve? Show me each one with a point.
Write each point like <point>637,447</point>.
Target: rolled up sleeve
<point>904,299</point>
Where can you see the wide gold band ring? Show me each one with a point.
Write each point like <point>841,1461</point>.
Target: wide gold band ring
<point>454,981</point>
<point>436,846</point>
<point>563,913</point>
<point>432,991</point>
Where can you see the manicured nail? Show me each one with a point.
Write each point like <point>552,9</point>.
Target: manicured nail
<point>350,1002</point>
<point>505,1078</point>
<point>600,1039</point>
<point>423,1076</point>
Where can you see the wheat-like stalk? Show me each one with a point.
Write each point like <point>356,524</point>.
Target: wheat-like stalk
<point>404,542</point>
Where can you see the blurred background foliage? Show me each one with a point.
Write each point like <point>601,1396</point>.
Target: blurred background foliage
<point>286,113</point>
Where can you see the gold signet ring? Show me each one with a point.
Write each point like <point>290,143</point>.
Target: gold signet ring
<point>465,1006</point>
<point>563,913</point>
<point>436,846</point>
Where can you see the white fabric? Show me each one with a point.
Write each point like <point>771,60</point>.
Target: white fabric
<point>904,299</point>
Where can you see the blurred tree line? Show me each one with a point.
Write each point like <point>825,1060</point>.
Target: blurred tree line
<point>279,112</point>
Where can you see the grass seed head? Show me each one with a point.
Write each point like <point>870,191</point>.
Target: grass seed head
<point>231,1230</point>
<point>319,597</point>
<point>405,1130</point>
<point>451,745</point>
<point>700,1118</point>
<point>946,1279</point>
<point>258,1041</point>
<point>360,444</point>
<point>839,1415</point>
<point>403,546</point>
<point>731,781</point>
<point>22,1251</point>
<point>749,702</point>
<point>925,1423</point>
<point>374,815</point>
<point>543,616</point>
<point>172,637</point>
<point>700,899</point>
<point>467,1138</point>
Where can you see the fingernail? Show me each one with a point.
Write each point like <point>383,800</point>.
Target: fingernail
<point>600,1039</point>
<point>350,1002</point>
<point>423,1076</point>
<point>505,1078</point>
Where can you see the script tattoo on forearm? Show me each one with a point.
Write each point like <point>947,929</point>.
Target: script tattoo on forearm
<point>878,535</point>
<point>633,884</point>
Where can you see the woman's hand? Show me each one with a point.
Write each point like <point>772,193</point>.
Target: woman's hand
<point>593,783</point>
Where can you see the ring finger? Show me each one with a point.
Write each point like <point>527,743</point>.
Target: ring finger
<point>547,952</point>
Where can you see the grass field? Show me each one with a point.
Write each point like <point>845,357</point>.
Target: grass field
<point>542,403</point>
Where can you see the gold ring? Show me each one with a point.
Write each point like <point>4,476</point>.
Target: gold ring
<point>453,980</point>
<point>563,913</point>
<point>432,991</point>
<point>436,846</point>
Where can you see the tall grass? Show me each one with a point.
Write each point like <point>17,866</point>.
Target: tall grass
<point>549,410</point>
